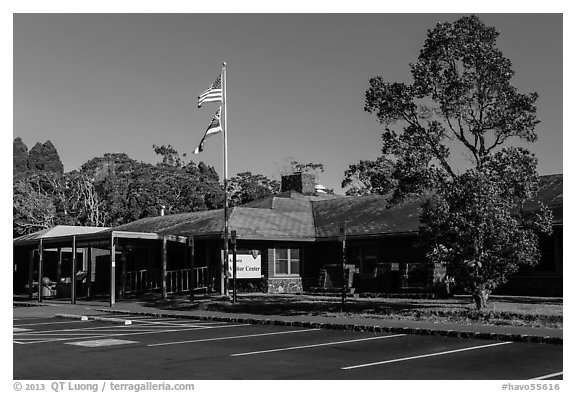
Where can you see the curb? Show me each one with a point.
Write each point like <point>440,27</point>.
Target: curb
<point>72,316</point>
<point>358,328</point>
<point>26,304</point>
<point>113,320</point>
<point>95,318</point>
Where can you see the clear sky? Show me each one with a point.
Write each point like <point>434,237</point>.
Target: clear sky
<point>98,83</point>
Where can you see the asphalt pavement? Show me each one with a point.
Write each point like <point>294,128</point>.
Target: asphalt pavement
<point>53,342</point>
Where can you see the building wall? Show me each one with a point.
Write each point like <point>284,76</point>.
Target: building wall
<point>380,263</point>
<point>544,279</point>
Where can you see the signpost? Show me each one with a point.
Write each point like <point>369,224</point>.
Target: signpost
<point>233,241</point>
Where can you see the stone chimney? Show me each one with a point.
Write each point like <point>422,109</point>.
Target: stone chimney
<point>304,183</point>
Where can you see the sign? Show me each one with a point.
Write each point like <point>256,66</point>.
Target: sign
<point>248,264</point>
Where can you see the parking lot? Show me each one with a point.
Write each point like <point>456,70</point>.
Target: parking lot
<point>168,348</point>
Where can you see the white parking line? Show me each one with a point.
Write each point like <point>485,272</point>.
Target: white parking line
<point>316,345</point>
<point>31,335</point>
<point>233,337</point>
<point>67,330</point>
<point>132,333</point>
<point>173,322</point>
<point>48,323</point>
<point>425,356</point>
<point>549,376</point>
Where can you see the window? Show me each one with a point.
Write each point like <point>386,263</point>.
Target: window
<point>287,261</point>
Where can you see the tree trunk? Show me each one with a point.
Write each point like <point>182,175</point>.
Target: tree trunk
<point>480,297</point>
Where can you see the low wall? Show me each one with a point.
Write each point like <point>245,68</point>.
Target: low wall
<point>285,285</point>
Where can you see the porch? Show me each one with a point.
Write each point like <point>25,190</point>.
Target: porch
<point>62,263</point>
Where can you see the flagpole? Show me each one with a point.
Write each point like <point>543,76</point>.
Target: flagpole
<point>224,286</point>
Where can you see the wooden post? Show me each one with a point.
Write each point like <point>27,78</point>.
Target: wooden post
<point>40,269</point>
<point>164,267</point>
<point>124,267</point>
<point>149,280</point>
<point>73,273</point>
<point>59,267</point>
<point>31,274</point>
<point>89,275</point>
<point>112,269</point>
<point>190,250</point>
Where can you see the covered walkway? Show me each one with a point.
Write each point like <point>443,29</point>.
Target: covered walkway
<point>81,262</point>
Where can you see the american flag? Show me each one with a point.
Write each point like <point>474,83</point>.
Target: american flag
<point>213,128</point>
<point>214,93</point>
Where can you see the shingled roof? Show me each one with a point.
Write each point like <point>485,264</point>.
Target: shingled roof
<point>276,218</point>
<point>203,223</point>
<point>293,216</point>
<point>366,216</point>
<point>296,217</point>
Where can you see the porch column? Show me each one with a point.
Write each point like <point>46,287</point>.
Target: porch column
<point>124,266</point>
<point>89,275</point>
<point>190,253</point>
<point>30,273</point>
<point>150,273</point>
<point>164,267</point>
<point>73,273</point>
<point>40,269</point>
<point>112,269</point>
<point>59,266</point>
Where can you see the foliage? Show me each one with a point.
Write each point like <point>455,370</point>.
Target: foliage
<point>246,187</point>
<point>462,100</point>
<point>20,156</point>
<point>32,211</point>
<point>44,157</point>
<point>294,166</point>
<point>369,177</point>
<point>473,225</point>
<point>110,190</point>
<point>132,190</point>
<point>170,157</point>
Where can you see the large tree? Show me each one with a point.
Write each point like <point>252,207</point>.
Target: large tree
<point>44,157</point>
<point>31,210</point>
<point>246,187</point>
<point>369,177</point>
<point>20,156</point>
<point>462,100</point>
<point>129,190</point>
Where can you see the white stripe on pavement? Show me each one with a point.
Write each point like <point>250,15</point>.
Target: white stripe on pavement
<point>171,321</point>
<point>425,356</point>
<point>549,376</point>
<point>131,334</point>
<point>316,345</point>
<point>233,337</point>
<point>48,323</point>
